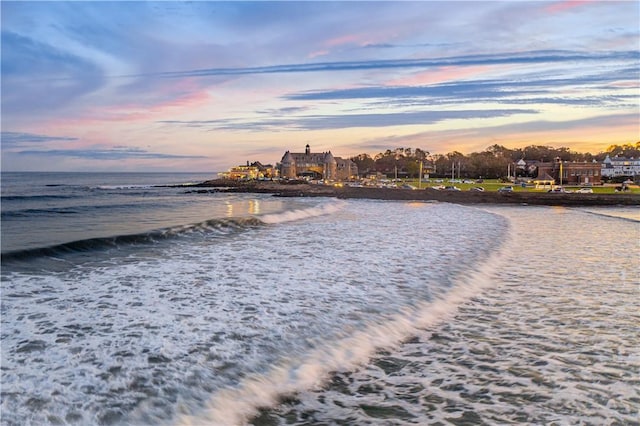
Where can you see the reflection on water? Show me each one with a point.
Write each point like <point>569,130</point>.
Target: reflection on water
<point>254,206</point>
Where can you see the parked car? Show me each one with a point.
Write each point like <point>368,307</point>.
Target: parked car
<point>559,190</point>
<point>438,187</point>
<point>584,191</point>
<point>451,188</point>
<point>506,189</point>
<point>477,188</point>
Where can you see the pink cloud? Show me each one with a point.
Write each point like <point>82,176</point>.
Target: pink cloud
<point>327,46</point>
<point>172,99</point>
<point>345,39</point>
<point>318,53</point>
<point>565,5</point>
<point>440,75</point>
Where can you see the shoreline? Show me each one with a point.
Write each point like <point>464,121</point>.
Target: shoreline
<point>457,197</point>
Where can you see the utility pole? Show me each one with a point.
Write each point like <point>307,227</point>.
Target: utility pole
<point>420,176</point>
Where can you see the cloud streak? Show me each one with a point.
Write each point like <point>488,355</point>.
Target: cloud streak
<point>116,153</point>
<point>534,57</point>
<point>475,89</point>
<point>528,131</point>
<point>31,68</point>
<point>15,139</point>
<point>327,122</point>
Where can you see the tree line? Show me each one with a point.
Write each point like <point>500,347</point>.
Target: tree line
<point>492,163</point>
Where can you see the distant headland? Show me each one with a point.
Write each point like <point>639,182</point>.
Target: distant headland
<point>301,188</point>
<point>535,175</point>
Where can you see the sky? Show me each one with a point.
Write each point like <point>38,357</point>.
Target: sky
<point>204,86</point>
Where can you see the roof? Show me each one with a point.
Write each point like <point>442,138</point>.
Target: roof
<point>543,178</point>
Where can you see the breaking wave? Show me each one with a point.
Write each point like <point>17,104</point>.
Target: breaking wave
<point>299,214</point>
<point>240,404</point>
<point>219,226</point>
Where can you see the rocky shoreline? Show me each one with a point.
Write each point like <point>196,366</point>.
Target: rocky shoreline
<point>303,189</point>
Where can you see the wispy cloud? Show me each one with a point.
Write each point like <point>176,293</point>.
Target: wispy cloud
<point>399,119</point>
<point>526,131</point>
<point>534,57</point>
<point>285,111</point>
<point>561,6</point>
<point>32,68</point>
<point>115,153</point>
<point>16,139</point>
<point>343,121</point>
<point>474,89</point>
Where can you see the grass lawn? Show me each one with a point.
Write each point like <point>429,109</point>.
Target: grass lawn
<point>494,185</point>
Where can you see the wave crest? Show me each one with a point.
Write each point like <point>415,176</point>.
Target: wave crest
<point>238,405</point>
<point>293,215</point>
<point>219,226</point>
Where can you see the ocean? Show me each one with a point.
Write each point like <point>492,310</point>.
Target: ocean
<point>127,300</point>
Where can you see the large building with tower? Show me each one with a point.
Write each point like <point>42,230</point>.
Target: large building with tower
<point>316,165</point>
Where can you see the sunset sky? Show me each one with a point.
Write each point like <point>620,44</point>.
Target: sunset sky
<point>202,86</point>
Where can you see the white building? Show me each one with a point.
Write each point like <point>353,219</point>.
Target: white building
<point>620,166</point>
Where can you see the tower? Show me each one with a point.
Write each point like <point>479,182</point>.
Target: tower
<point>288,166</point>
<point>330,166</point>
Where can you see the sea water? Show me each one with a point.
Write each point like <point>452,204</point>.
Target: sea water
<point>128,301</point>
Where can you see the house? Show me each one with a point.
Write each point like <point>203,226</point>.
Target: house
<point>620,166</point>
<point>316,165</point>
<point>249,172</point>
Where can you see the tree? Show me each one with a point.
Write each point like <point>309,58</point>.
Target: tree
<point>364,162</point>
<point>626,150</point>
<point>491,163</point>
<point>421,155</point>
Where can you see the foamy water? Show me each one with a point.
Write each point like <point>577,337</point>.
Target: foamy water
<point>160,332</point>
<point>555,340</point>
<point>298,311</point>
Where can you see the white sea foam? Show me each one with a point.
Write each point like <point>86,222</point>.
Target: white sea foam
<point>547,343</point>
<point>143,338</point>
<point>209,330</point>
<point>293,215</point>
<point>237,405</point>
<point>120,187</point>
